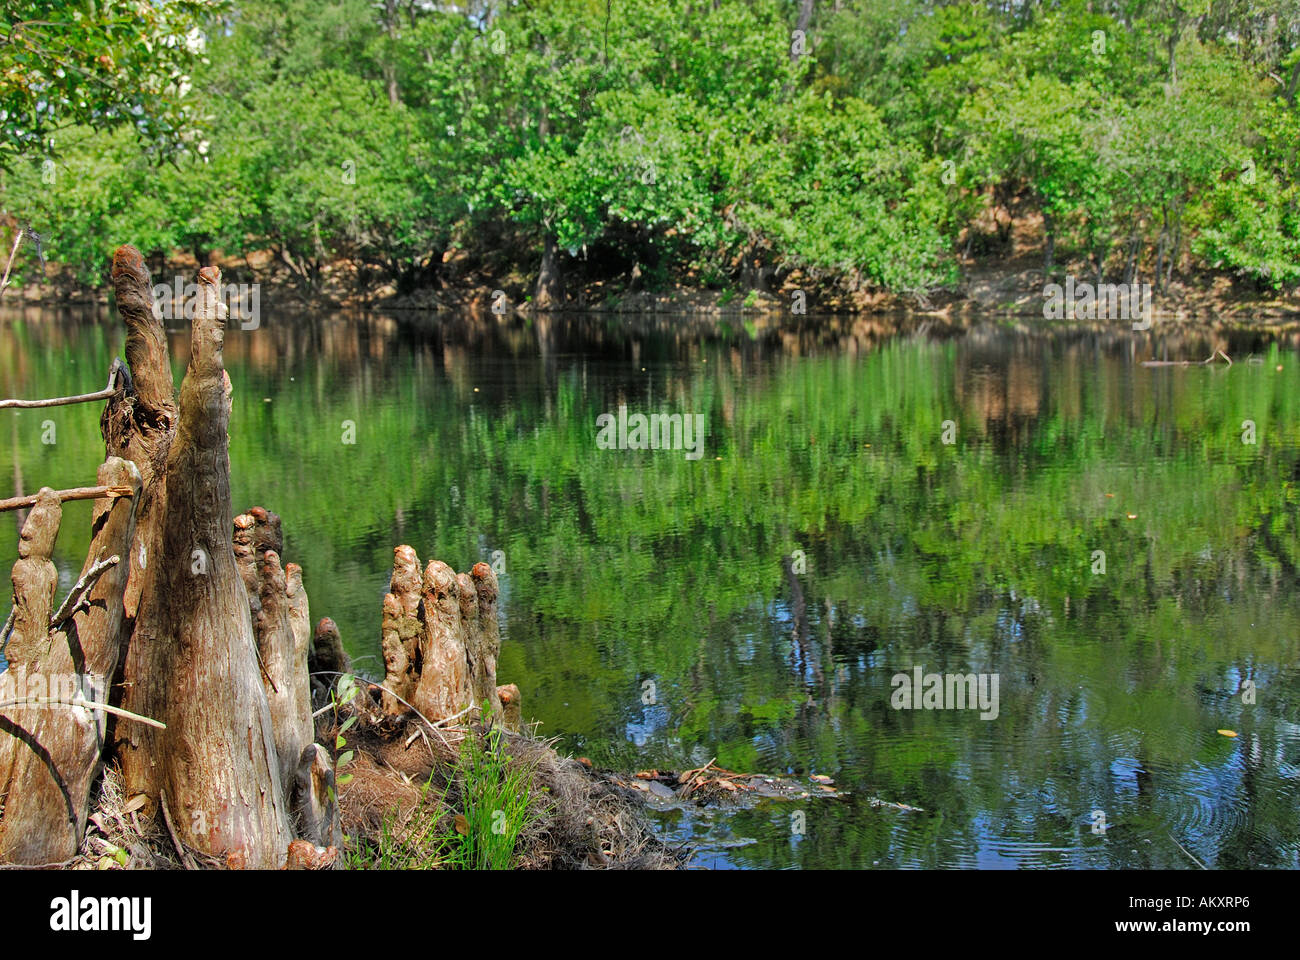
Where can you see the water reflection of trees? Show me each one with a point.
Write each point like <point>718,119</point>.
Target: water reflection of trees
<point>975,556</point>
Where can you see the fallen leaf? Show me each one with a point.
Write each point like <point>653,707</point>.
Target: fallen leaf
<point>820,778</point>
<point>135,803</point>
<point>1228,733</point>
<point>462,825</point>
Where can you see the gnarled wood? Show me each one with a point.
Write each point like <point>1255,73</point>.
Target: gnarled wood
<point>443,689</point>
<point>485,636</point>
<point>192,661</point>
<point>60,756</point>
<point>316,800</point>
<point>139,421</point>
<point>327,649</point>
<point>401,631</point>
<point>275,643</point>
<point>300,652</point>
<point>511,707</point>
<point>35,580</point>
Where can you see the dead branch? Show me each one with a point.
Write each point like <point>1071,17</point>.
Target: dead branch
<point>92,704</point>
<point>18,238</point>
<point>76,597</point>
<point>75,493</point>
<point>113,374</point>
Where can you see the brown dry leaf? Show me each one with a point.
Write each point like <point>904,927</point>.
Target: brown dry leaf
<point>821,778</point>
<point>462,825</point>
<point>648,775</point>
<point>135,803</point>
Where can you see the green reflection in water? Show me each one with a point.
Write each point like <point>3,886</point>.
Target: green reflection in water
<point>635,576</point>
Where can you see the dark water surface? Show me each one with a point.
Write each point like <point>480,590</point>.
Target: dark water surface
<point>754,604</point>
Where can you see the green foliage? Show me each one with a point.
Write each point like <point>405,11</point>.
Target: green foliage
<point>495,804</point>
<point>678,141</point>
<point>98,63</point>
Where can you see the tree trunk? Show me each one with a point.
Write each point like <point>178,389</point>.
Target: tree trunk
<point>192,660</point>
<point>196,600</point>
<point>549,292</point>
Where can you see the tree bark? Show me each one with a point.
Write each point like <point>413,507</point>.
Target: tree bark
<point>316,799</point>
<point>192,663</point>
<point>401,629</point>
<point>549,292</point>
<point>58,757</point>
<point>483,636</point>
<point>443,689</point>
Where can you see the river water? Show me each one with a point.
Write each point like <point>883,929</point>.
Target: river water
<point>1114,545</point>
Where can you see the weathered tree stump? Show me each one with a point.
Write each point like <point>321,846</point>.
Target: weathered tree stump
<point>401,630</point>
<point>316,799</point>
<point>443,689</point>
<point>54,752</point>
<point>485,637</point>
<point>512,708</point>
<point>192,660</point>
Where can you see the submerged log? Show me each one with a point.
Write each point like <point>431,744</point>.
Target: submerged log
<point>59,753</point>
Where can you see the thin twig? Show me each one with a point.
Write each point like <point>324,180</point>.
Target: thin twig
<point>1186,851</point>
<point>4,284</point>
<point>186,859</point>
<point>76,598</point>
<point>432,725</point>
<point>103,394</point>
<point>51,701</point>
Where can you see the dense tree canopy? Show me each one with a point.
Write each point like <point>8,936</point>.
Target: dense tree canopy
<point>658,141</point>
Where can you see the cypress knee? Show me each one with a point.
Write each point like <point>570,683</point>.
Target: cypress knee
<point>511,707</point>
<point>444,689</point>
<point>45,818</point>
<point>400,638</point>
<point>489,629</point>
